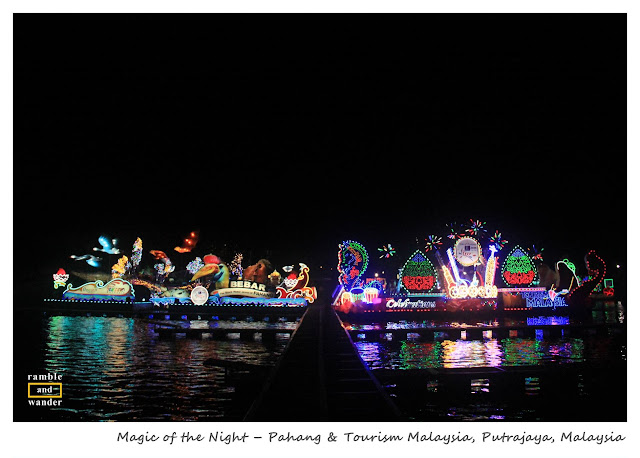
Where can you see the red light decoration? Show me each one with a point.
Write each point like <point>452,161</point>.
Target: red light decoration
<point>188,243</point>
<point>597,269</point>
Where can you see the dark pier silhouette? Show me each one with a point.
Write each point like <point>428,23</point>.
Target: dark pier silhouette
<point>321,377</point>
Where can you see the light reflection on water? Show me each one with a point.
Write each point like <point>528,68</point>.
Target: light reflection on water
<point>488,352</point>
<point>119,369</point>
<point>411,354</point>
<point>544,377</point>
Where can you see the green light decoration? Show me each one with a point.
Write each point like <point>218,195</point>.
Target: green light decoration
<point>518,269</point>
<point>418,275</point>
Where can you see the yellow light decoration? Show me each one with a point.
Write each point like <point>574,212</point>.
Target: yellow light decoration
<point>119,269</point>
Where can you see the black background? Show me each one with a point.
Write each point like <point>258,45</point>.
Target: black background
<point>282,135</point>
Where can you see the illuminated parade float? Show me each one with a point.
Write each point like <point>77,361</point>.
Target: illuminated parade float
<point>471,273</point>
<point>204,282</point>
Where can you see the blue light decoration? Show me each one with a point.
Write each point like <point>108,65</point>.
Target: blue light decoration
<point>235,301</point>
<point>90,259</point>
<point>114,290</point>
<point>107,245</point>
<point>541,299</point>
<point>548,320</point>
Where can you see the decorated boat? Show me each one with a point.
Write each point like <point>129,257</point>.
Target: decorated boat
<point>469,272</point>
<point>206,281</point>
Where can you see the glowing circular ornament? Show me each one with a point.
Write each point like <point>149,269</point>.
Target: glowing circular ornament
<point>467,251</point>
<point>199,295</point>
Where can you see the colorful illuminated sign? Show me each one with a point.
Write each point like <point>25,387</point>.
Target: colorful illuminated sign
<point>244,289</point>
<point>410,304</point>
<point>536,299</point>
<point>116,289</point>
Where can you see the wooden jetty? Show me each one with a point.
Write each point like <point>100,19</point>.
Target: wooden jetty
<point>168,331</point>
<point>488,332</point>
<point>321,377</point>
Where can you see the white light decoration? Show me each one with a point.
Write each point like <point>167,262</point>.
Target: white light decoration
<point>467,251</point>
<point>370,294</point>
<point>199,295</point>
<point>461,289</point>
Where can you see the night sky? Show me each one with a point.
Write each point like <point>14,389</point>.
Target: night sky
<point>282,135</point>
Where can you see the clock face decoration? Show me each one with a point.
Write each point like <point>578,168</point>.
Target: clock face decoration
<point>199,295</point>
<point>467,251</point>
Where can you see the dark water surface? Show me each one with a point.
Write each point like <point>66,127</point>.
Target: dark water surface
<point>535,378</point>
<point>119,369</point>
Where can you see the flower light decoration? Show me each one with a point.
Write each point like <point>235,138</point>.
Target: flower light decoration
<point>454,232</point>
<point>476,227</point>
<point>535,255</point>
<point>387,251</point>
<point>433,242</point>
<point>497,240</point>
